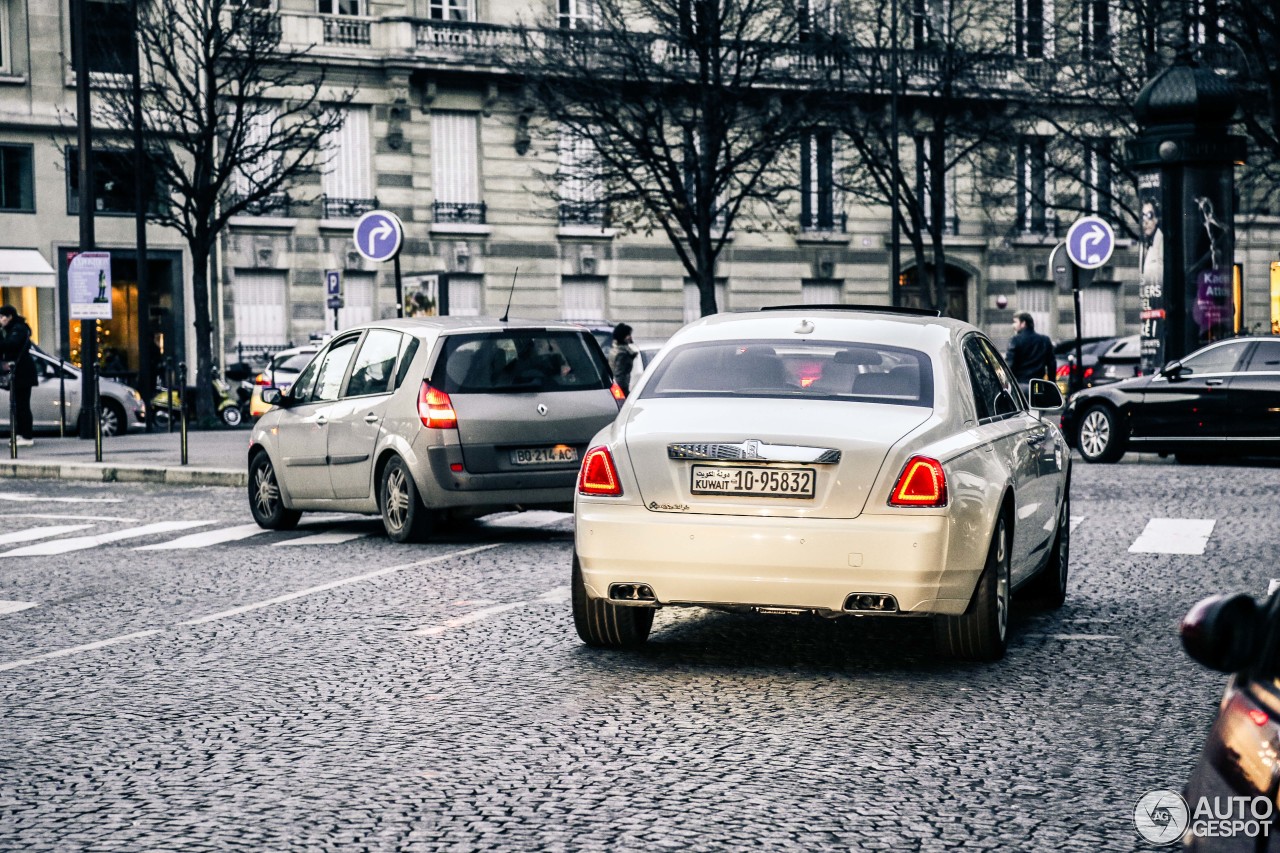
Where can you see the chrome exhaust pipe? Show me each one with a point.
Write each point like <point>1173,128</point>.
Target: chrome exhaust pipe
<point>870,602</point>
<point>631,592</point>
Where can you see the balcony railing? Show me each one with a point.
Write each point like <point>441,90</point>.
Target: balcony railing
<point>347,31</point>
<point>824,222</point>
<point>584,213</point>
<point>469,213</point>
<point>346,208</point>
<point>272,205</point>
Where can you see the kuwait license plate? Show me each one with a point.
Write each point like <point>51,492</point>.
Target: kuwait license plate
<point>750,480</point>
<point>544,455</point>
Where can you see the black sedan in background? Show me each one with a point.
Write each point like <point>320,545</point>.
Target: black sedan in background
<point>1222,399</point>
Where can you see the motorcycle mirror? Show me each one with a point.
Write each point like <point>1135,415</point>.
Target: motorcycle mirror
<point>1223,632</point>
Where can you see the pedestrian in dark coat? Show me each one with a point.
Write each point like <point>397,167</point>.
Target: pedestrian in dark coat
<point>15,354</point>
<point>1030,354</point>
<point>622,356</point>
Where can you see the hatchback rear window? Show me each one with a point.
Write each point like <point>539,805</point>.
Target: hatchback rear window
<point>822,370</point>
<point>294,362</point>
<point>520,361</point>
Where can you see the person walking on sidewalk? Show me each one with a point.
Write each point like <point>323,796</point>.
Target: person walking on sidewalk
<point>622,356</point>
<point>15,355</point>
<point>1030,354</point>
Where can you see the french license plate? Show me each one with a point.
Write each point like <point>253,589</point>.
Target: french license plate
<point>753,480</point>
<point>544,455</point>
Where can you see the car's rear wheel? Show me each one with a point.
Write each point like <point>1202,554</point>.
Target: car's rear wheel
<point>265,501</point>
<point>404,516</point>
<point>981,633</point>
<point>604,625</point>
<point>1050,585</point>
<point>1100,437</point>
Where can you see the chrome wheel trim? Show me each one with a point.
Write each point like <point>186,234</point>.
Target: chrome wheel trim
<point>266,494</point>
<point>1095,433</point>
<point>1002,583</point>
<point>396,501</point>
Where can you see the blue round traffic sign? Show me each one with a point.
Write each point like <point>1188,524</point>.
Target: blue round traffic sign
<point>378,235</point>
<point>1090,242</point>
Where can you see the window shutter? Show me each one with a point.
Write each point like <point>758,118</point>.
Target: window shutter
<point>260,310</point>
<point>1038,301</point>
<point>357,298</point>
<point>347,168</point>
<point>582,300</point>
<point>1098,311</point>
<point>455,146</point>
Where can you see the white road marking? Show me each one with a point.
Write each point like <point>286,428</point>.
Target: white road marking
<point>80,543</point>
<point>40,533</point>
<point>87,647</point>
<point>1069,637</point>
<point>553,596</point>
<point>1273,586</point>
<point>1173,536</point>
<point>530,518</point>
<point>14,606</point>
<point>206,538</point>
<point>236,611</point>
<point>35,499</point>
<point>331,537</point>
<point>1076,521</point>
<point>49,517</point>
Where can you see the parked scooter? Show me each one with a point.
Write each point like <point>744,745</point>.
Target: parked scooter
<point>225,399</point>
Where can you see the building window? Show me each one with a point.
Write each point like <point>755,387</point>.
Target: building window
<point>357,299</point>
<point>260,164</point>
<point>456,166</point>
<point>348,180</point>
<point>1098,190</point>
<point>1095,29</point>
<point>1037,299</point>
<point>924,188</point>
<point>113,181</point>
<point>580,184</point>
<point>819,202</point>
<point>340,7</point>
<point>929,22</point>
<point>822,291</point>
<point>1032,186</point>
<point>1029,18</point>
<point>16,185</point>
<point>466,295</point>
<point>693,300</point>
<point>6,61</point>
<point>452,10</point>
<point>1098,310</point>
<point>582,299</point>
<point>259,308</point>
<point>109,45</point>
<point>817,20</point>
<point>1207,25</point>
<point>576,14</point>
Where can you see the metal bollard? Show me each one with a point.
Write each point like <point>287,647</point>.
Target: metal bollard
<point>182,406</point>
<point>62,399</point>
<point>168,393</point>
<point>13,411</point>
<point>97,414</point>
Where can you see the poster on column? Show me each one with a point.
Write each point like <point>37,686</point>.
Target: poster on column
<point>1151,278</point>
<point>89,286</point>
<point>1209,250</point>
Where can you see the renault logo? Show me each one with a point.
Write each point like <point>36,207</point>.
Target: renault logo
<point>542,409</point>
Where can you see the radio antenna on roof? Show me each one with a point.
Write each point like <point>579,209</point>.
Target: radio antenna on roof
<point>507,313</point>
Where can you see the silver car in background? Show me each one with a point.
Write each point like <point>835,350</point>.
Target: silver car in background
<point>58,390</point>
<point>424,420</point>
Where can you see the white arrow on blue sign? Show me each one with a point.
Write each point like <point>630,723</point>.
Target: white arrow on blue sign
<point>1090,242</point>
<point>378,235</point>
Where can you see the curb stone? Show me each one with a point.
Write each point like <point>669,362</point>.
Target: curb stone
<point>116,473</point>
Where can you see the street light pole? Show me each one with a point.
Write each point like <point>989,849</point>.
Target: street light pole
<point>895,233</point>
<point>84,139</point>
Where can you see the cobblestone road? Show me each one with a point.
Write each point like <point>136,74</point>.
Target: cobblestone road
<point>347,693</point>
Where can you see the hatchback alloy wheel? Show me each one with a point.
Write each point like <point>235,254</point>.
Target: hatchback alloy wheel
<point>404,516</point>
<point>265,500</point>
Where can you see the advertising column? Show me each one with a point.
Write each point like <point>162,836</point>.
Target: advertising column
<point>1151,273</point>
<point>1208,252</point>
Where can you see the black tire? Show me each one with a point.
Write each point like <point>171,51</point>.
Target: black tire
<point>113,419</point>
<point>231,416</point>
<point>607,626</point>
<point>1100,437</point>
<point>981,633</point>
<point>265,500</point>
<point>1049,586</point>
<point>404,516</point>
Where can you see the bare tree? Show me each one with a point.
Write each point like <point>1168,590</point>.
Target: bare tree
<point>679,115</point>
<point>958,89</point>
<point>232,118</point>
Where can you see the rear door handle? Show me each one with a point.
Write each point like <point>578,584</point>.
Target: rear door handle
<point>371,418</point>
<point>1214,381</point>
<point>321,420</point>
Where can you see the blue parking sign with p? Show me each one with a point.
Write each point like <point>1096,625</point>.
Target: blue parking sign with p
<point>333,282</point>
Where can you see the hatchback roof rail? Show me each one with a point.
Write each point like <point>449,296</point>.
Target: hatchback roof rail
<point>878,309</point>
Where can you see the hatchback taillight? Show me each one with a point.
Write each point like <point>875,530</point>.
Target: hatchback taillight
<point>921,483</point>
<point>436,409</point>
<point>618,394</point>
<point>598,476</point>
<point>262,380</point>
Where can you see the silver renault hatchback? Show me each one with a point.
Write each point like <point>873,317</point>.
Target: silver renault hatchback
<point>424,420</point>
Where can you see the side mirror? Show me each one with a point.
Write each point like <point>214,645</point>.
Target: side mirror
<point>1223,632</point>
<point>1171,370</point>
<point>1046,395</point>
<point>272,396</point>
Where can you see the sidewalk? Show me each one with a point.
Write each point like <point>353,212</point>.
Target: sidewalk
<point>215,458</point>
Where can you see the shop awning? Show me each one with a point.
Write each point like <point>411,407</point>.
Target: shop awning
<point>25,268</point>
